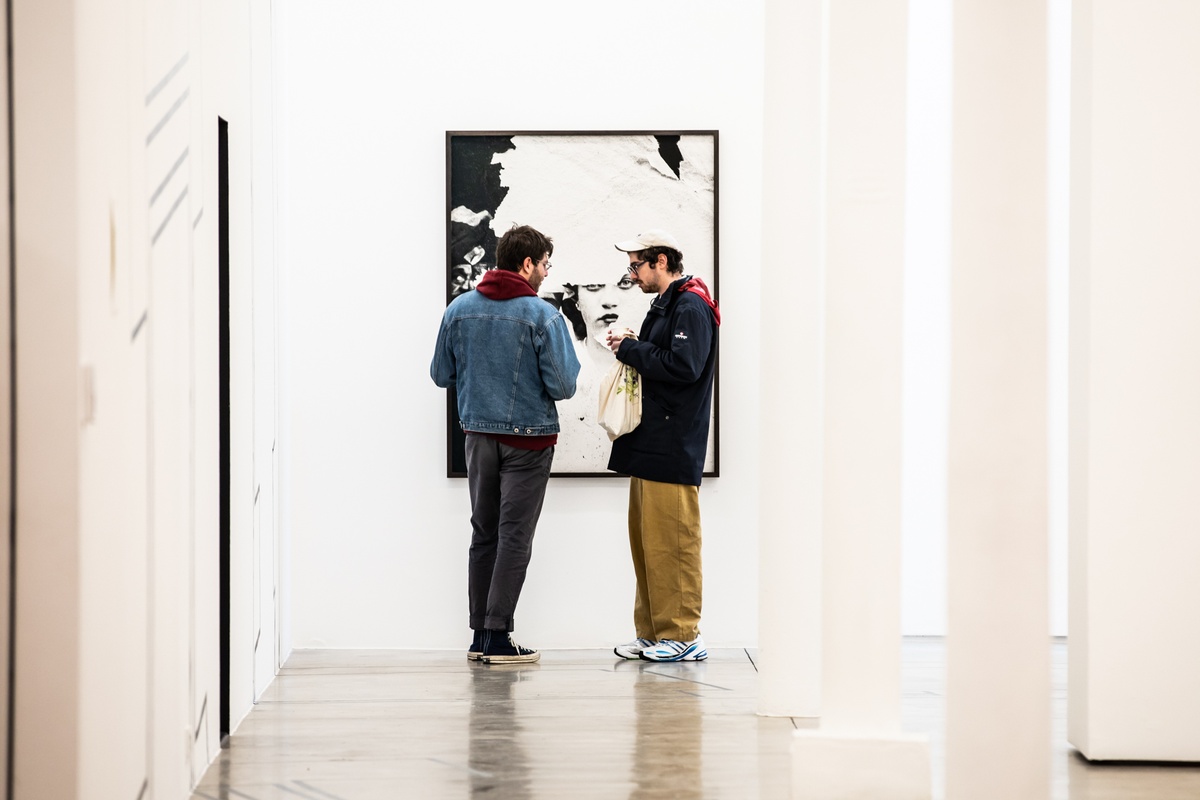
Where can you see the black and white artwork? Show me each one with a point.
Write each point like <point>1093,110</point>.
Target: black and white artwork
<point>585,191</point>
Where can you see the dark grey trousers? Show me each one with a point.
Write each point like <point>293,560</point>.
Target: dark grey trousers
<point>507,486</point>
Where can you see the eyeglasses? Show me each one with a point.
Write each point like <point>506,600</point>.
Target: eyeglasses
<point>634,266</point>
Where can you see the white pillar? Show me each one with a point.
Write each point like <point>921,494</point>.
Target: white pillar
<point>998,687</point>
<point>47,670</point>
<point>1134,447</point>
<point>791,325</point>
<point>864,294</point>
<point>859,750</point>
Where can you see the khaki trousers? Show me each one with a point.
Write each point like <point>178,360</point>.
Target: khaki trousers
<point>664,539</point>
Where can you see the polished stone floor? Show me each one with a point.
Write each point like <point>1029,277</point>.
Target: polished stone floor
<point>369,725</point>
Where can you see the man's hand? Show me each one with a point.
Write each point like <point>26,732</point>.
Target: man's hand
<point>613,338</point>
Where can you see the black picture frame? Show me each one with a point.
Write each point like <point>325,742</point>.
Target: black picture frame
<point>586,190</point>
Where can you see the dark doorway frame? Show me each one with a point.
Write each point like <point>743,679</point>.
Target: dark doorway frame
<point>223,404</point>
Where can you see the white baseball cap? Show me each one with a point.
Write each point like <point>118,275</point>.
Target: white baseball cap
<point>655,237</point>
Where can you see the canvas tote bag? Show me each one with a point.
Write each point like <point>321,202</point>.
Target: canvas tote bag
<point>620,408</point>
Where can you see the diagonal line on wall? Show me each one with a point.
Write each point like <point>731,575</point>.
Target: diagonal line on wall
<point>138,328</point>
<point>171,174</point>
<point>162,123</point>
<point>162,226</point>
<point>200,721</point>
<point>162,84</point>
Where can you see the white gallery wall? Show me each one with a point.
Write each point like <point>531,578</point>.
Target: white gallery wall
<point>926,354</point>
<point>379,534</point>
<point>376,551</point>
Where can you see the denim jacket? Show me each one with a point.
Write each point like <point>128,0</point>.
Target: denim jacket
<point>509,360</point>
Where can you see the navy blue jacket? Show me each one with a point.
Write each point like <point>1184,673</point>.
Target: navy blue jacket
<point>676,356</point>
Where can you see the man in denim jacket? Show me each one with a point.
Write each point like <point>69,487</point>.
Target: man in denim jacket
<point>675,354</point>
<point>510,355</point>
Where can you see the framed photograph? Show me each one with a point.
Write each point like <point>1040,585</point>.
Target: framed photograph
<point>586,191</point>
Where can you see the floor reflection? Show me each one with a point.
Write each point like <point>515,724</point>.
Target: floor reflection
<point>496,759</point>
<point>667,749</point>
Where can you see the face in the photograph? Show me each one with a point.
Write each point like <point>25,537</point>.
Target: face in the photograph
<point>601,304</point>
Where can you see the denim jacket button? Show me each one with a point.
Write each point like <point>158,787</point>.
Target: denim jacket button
<point>516,430</point>
<point>529,430</point>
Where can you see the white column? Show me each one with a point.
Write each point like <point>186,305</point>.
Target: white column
<point>1134,452</point>
<point>46,745</point>
<point>998,688</point>
<point>860,750</point>
<point>791,338</point>
<point>864,297</point>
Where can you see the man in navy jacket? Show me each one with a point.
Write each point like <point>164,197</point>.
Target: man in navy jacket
<point>675,353</point>
<point>510,355</point>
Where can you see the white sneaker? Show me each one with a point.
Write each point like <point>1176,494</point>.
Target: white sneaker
<point>632,650</point>
<point>671,650</point>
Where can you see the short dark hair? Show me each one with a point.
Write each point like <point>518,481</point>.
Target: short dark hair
<point>674,258</point>
<point>519,243</point>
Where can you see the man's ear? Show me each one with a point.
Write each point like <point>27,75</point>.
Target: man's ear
<point>662,260</point>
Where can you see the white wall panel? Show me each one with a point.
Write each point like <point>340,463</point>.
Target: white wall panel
<point>379,534</point>
<point>262,211</point>
<point>48,586</point>
<point>117,625</point>
<point>997,657</point>
<point>1135,342</point>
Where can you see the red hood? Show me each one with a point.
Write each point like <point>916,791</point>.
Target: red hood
<point>500,284</point>
<point>697,287</point>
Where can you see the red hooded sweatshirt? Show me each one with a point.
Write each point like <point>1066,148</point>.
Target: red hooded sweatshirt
<point>501,284</point>
<point>697,287</point>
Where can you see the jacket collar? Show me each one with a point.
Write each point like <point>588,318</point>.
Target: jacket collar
<point>660,304</point>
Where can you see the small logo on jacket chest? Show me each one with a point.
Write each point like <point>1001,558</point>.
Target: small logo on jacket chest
<point>681,335</point>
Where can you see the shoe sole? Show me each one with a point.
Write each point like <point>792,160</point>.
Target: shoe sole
<point>511,659</point>
<point>627,656</point>
<point>676,660</point>
<point>474,656</point>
